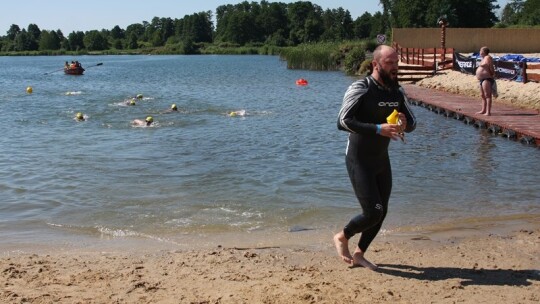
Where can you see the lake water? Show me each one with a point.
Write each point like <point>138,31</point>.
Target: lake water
<point>200,172</point>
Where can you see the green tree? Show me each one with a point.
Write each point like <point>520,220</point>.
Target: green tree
<point>306,22</point>
<point>13,31</point>
<point>530,15</point>
<point>410,13</point>
<point>337,24</point>
<point>136,29</point>
<point>196,27</point>
<point>95,41</point>
<point>34,32</point>
<point>132,41</point>
<point>272,21</point>
<point>76,41</point>
<point>378,25</point>
<point>475,13</point>
<point>23,41</point>
<point>49,40</point>
<point>118,33</point>
<point>362,26</point>
<point>511,12</point>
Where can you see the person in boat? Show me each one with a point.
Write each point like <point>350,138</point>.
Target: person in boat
<point>143,123</point>
<point>66,65</point>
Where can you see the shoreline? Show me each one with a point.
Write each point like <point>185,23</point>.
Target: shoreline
<point>454,229</point>
<point>480,267</point>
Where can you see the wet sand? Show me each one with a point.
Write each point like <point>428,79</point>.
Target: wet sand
<point>440,264</point>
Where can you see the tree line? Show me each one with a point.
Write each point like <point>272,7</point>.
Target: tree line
<point>275,24</point>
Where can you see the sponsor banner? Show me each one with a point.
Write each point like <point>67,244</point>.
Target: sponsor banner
<point>509,70</point>
<point>503,69</point>
<point>464,64</point>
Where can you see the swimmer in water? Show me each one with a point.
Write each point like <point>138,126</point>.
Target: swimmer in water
<point>143,123</point>
<point>79,117</point>
<point>237,113</point>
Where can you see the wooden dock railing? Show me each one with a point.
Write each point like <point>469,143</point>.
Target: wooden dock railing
<point>418,63</point>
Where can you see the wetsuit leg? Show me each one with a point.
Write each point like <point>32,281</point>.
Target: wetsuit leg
<point>372,184</point>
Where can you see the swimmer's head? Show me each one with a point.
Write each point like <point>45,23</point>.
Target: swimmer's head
<point>79,116</point>
<point>149,120</point>
<point>139,96</point>
<point>132,102</point>
<point>173,107</point>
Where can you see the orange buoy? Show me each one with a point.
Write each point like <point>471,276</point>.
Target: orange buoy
<point>301,82</point>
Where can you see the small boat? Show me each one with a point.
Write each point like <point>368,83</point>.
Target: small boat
<point>77,70</point>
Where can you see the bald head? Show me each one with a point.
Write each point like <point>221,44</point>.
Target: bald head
<point>385,66</point>
<point>383,51</point>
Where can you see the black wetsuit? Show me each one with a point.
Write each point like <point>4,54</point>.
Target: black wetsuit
<point>366,104</point>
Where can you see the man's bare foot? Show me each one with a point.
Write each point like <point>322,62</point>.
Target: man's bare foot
<point>359,260</point>
<point>481,112</point>
<point>342,247</point>
<point>487,114</point>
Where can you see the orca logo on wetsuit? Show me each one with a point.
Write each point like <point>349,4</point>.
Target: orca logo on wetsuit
<point>388,104</point>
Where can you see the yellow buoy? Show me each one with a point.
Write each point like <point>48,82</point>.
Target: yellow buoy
<point>29,90</point>
<point>393,117</point>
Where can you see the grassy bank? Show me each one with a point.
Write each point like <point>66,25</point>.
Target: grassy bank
<point>347,56</point>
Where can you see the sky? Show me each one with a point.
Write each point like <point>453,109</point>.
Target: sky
<point>85,15</point>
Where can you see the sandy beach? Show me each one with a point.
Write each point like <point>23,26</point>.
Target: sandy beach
<point>489,265</point>
<point>490,268</point>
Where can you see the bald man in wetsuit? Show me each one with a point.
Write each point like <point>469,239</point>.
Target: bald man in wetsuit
<point>366,105</point>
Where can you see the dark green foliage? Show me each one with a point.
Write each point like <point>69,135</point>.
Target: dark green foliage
<point>353,59</point>
<point>76,41</point>
<point>268,27</point>
<point>95,41</point>
<point>521,13</point>
<point>49,41</point>
<point>365,67</point>
<point>425,13</point>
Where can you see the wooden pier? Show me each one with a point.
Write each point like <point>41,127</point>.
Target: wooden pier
<point>512,122</point>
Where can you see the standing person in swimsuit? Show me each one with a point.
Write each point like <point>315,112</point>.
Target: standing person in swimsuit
<point>485,73</point>
<point>366,105</point>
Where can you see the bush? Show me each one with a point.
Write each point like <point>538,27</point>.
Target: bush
<point>353,59</point>
<point>366,67</point>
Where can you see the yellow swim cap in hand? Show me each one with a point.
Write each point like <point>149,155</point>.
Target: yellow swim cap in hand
<point>393,117</point>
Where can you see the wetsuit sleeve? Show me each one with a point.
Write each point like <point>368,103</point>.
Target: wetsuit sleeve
<point>406,109</point>
<point>351,101</point>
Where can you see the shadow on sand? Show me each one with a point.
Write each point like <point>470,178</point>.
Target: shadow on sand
<point>469,276</point>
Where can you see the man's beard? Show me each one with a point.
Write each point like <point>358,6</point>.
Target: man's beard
<point>387,79</point>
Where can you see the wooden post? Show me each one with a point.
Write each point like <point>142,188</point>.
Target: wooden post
<point>443,23</point>
<point>524,72</point>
